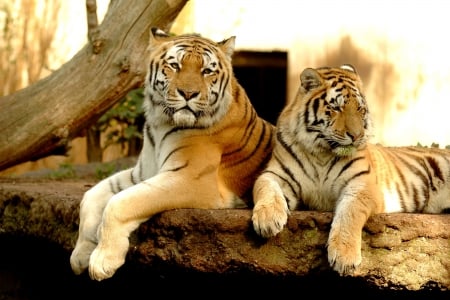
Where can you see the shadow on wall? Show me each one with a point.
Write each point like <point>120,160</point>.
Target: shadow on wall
<point>379,77</point>
<point>264,76</point>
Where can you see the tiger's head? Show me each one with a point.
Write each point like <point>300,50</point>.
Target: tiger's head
<point>330,113</point>
<point>188,83</point>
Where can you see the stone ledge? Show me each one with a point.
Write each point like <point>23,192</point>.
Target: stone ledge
<point>409,252</point>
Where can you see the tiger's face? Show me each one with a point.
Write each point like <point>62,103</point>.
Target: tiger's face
<point>334,112</point>
<point>188,83</point>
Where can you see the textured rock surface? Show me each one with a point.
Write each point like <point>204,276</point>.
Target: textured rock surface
<point>406,252</point>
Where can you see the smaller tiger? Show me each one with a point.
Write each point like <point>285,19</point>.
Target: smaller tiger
<point>322,160</point>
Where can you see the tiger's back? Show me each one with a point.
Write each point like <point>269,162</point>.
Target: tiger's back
<point>412,179</point>
<point>322,160</point>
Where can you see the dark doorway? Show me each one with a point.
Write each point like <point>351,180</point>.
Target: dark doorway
<point>264,77</point>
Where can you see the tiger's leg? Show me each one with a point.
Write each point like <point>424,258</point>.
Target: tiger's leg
<point>270,211</point>
<point>344,241</point>
<point>91,210</point>
<point>129,208</point>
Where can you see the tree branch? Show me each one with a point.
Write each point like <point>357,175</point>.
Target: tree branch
<point>92,26</point>
<point>44,117</point>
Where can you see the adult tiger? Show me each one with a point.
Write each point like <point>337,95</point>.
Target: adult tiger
<point>204,145</point>
<point>322,160</point>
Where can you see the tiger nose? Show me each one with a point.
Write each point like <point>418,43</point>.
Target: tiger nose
<point>356,135</point>
<point>188,94</point>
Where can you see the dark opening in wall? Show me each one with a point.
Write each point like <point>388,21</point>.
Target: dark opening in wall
<point>264,77</point>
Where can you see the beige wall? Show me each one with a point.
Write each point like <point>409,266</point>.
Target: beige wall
<point>398,48</point>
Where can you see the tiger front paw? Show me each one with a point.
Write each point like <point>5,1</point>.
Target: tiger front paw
<point>344,256</point>
<point>269,218</point>
<point>79,259</point>
<point>104,262</point>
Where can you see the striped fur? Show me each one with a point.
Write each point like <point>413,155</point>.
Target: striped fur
<point>322,160</point>
<point>204,145</point>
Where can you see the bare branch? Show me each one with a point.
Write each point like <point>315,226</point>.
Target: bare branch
<point>92,26</point>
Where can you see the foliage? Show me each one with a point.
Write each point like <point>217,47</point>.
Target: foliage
<point>65,171</point>
<point>105,170</point>
<point>433,145</point>
<point>123,122</point>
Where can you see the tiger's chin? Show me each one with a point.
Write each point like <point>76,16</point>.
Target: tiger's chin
<point>345,150</point>
<point>185,118</point>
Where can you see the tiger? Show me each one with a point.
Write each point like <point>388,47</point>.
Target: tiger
<point>323,160</point>
<point>203,146</point>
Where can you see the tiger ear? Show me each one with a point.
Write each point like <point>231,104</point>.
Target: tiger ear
<point>156,35</point>
<point>349,67</point>
<point>156,32</point>
<point>310,79</point>
<point>228,46</point>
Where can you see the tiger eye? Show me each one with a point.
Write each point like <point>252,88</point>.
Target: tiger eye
<point>175,66</point>
<point>207,71</point>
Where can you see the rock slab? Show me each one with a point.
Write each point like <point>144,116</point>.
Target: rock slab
<point>401,252</point>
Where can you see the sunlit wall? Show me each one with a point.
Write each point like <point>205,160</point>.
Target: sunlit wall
<point>399,47</point>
